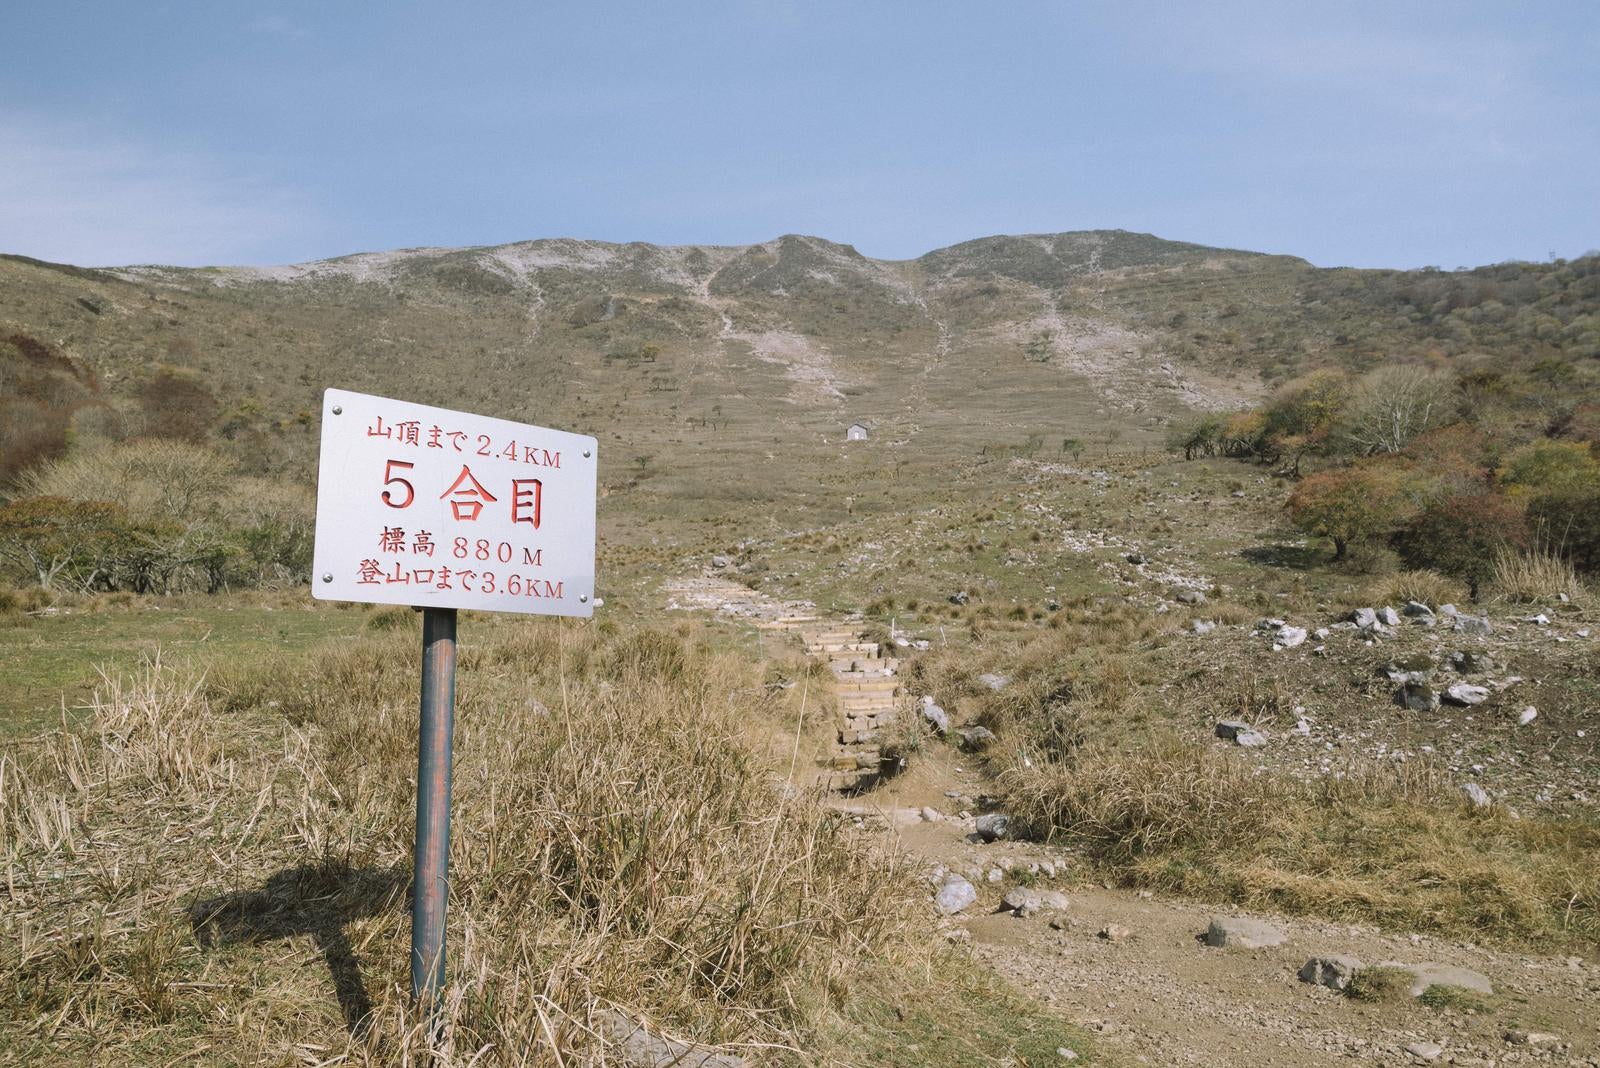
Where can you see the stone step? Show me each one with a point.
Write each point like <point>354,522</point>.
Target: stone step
<point>880,709</point>
<point>851,782</point>
<point>831,634</point>
<point>859,683</point>
<point>855,650</point>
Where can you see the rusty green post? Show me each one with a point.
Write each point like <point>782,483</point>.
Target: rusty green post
<point>431,883</point>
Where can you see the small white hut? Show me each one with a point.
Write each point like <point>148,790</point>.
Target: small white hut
<point>857,432</point>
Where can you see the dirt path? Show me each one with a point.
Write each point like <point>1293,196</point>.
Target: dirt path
<point>1156,994</point>
<point>1160,996</point>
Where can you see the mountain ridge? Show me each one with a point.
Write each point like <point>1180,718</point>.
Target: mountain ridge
<point>995,343</point>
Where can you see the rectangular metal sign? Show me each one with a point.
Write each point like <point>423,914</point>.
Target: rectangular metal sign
<point>425,506</point>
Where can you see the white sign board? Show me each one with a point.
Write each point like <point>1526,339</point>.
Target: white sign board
<point>425,506</point>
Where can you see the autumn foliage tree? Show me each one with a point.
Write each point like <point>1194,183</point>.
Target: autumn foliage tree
<point>1355,504</point>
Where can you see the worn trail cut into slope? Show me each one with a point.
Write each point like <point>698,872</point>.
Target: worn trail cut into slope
<point>866,684</point>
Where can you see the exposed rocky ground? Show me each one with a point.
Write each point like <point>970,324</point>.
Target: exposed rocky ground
<point>1135,967</point>
<point>1169,981</point>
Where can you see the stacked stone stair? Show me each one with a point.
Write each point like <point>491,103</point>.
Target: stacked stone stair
<point>866,689</point>
<point>866,685</point>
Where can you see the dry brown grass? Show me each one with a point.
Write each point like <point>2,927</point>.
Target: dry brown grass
<point>1533,575</point>
<point>173,873</point>
<point>1421,585</point>
<point>1383,842</point>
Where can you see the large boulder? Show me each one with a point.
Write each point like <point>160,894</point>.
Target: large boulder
<point>1242,932</point>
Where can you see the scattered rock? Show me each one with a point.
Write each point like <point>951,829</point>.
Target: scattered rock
<point>936,717</point>
<point>1242,932</point>
<point>1240,733</point>
<point>1190,597</point>
<point>1066,1054</point>
<point>719,562</point>
<point>959,597</point>
<point>1527,716</point>
<point>1470,663</point>
<point>1022,902</point>
<point>1541,619</point>
<point>1478,626</point>
<point>1115,932</point>
<point>1365,618</point>
<point>930,815</point>
<point>976,739</point>
<point>1388,616</point>
<point>1202,626</point>
<point>1417,610</point>
<point>995,682</point>
<point>1134,558</point>
<point>1518,1037</point>
<point>993,826</point>
<point>1426,976</point>
<point>1417,695</point>
<point>1463,693</point>
<point>1477,796</point>
<point>955,895</point>
<point>1425,1051</point>
<point>1333,971</point>
<point>631,1043</point>
<point>1057,923</point>
<point>1289,637</point>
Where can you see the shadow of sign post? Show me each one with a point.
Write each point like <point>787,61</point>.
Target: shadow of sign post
<point>318,900</point>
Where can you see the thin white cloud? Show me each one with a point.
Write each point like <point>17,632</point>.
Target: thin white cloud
<point>73,193</point>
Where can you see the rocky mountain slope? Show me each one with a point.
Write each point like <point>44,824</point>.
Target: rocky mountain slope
<point>1001,342</point>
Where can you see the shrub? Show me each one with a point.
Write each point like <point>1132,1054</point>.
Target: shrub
<point>1462,534</point>
<point>1570,521</point>
<point>1379,984</point>
<point>1549,467</point>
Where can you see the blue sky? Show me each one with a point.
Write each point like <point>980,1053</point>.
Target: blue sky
<point>1383,134</point>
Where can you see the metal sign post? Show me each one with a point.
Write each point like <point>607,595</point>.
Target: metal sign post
<point>444,510</point>
<point>431,885</point>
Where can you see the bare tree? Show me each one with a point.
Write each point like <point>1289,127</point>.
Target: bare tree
<point>1394,404</point>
